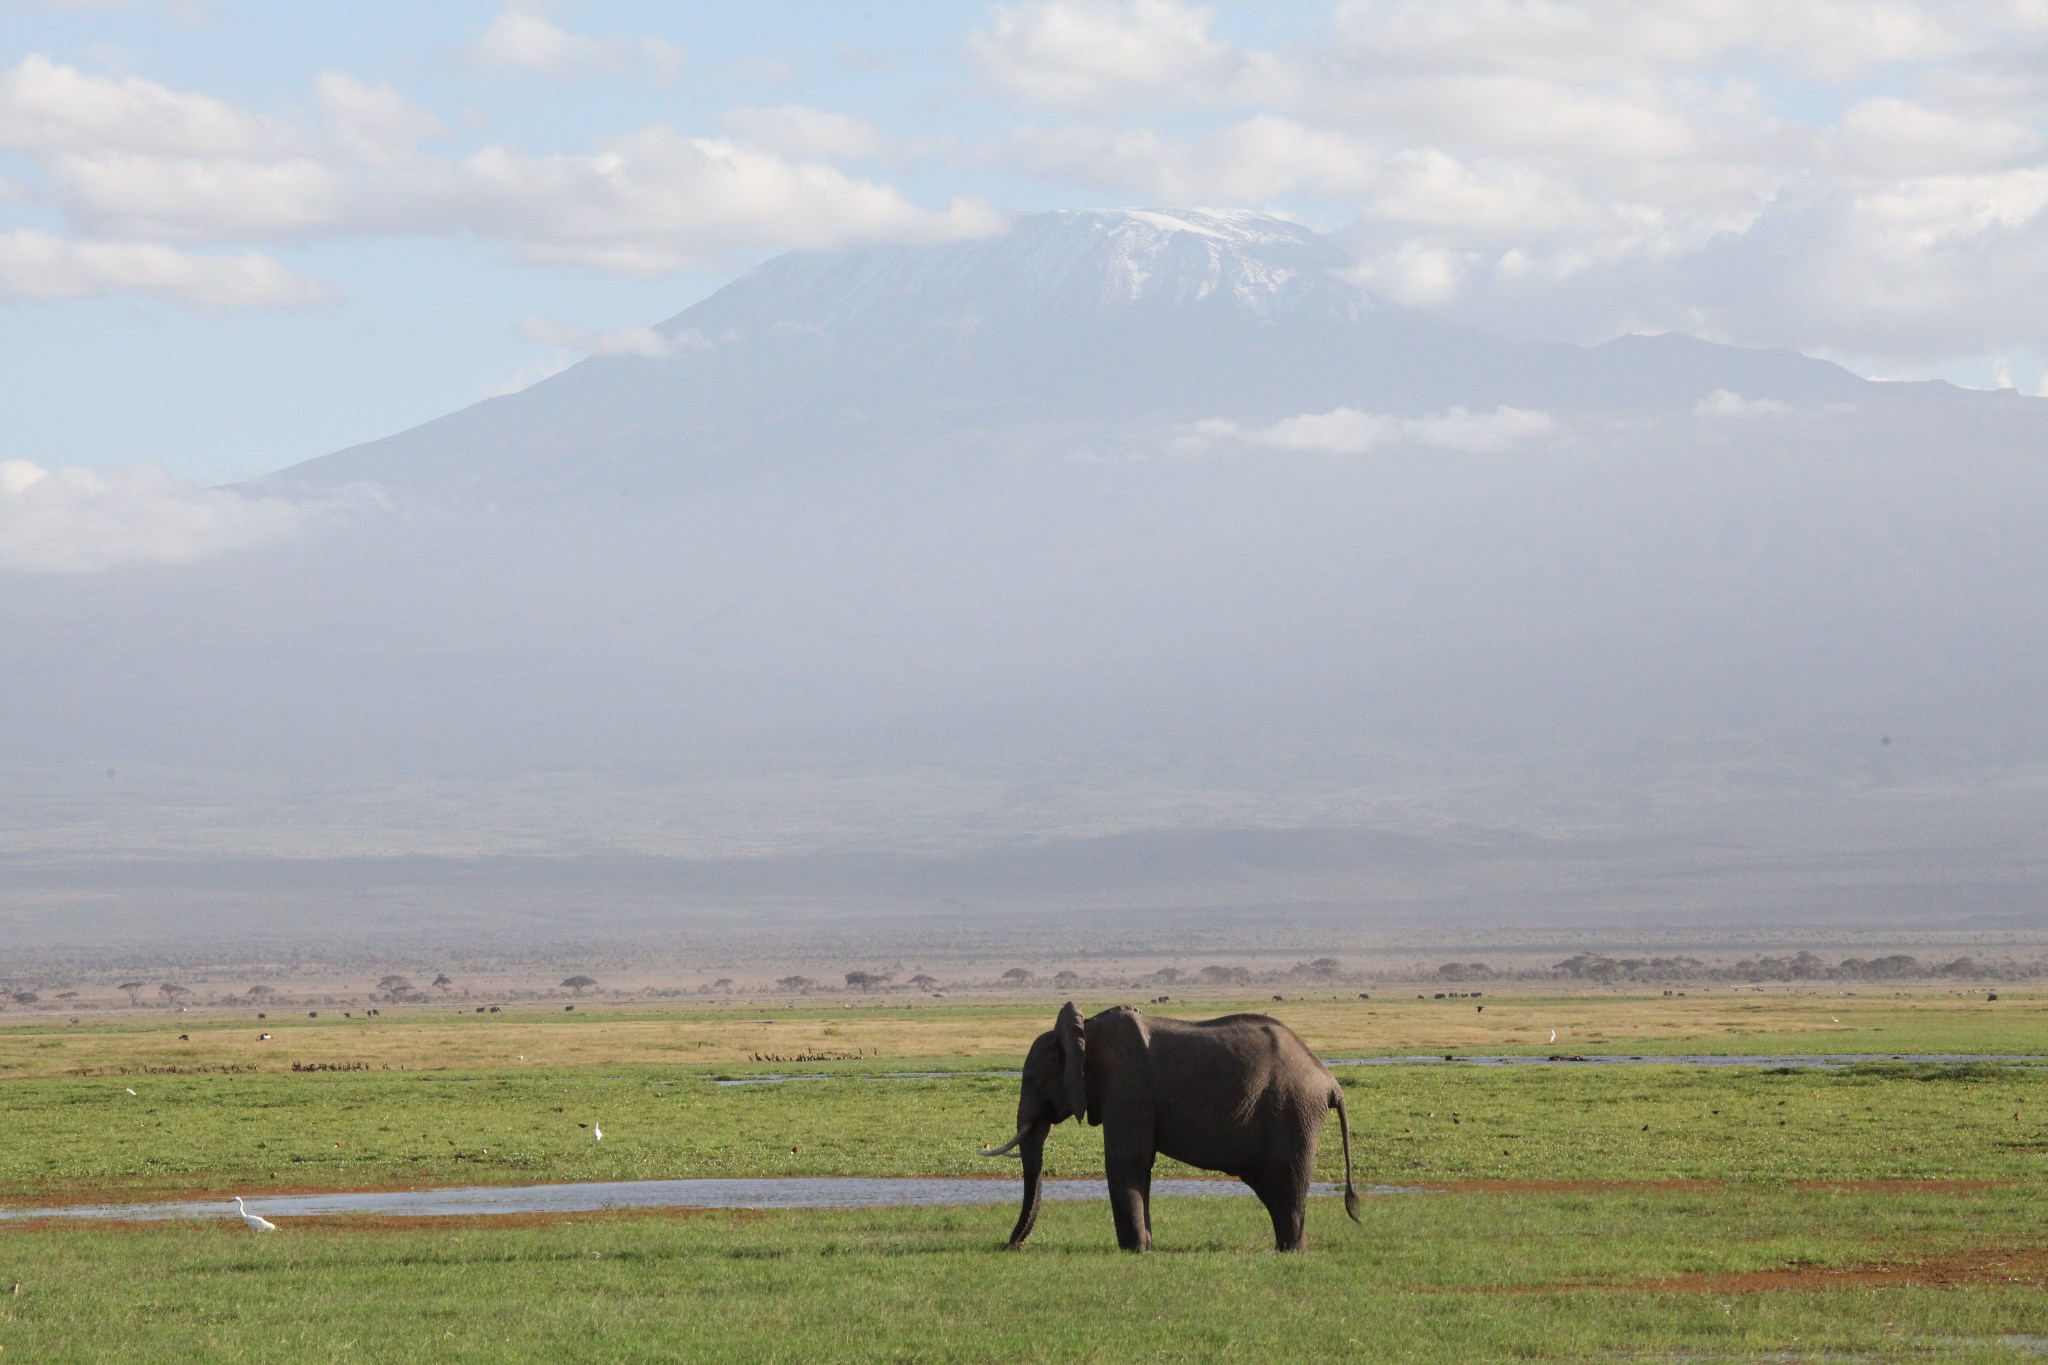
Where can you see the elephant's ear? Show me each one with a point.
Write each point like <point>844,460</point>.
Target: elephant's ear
<point>1073,1058</point>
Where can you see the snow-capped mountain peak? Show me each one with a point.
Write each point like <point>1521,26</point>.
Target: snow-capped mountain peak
<point>1074,264</point>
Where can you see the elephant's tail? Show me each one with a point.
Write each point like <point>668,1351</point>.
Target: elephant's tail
<point>1344,1128</point>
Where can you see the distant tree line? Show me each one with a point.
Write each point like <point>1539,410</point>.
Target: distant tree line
<point>1802,966</point>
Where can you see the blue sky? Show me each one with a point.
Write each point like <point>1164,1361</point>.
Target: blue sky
<point>234,236</point>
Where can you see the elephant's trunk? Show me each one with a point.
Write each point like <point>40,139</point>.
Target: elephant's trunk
<point>1032,1139</point>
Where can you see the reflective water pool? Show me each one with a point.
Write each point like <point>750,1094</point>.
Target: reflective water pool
<point>813,1192</point>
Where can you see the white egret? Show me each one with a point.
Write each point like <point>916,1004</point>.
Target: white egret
<point>596,1133</point>
<point>1553,1035</point>
<point>129,1088</point>
<point>256,1222</point>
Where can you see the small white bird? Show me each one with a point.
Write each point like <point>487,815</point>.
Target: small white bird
<point>1836,1020</point>
<point>1553,1035</point>
<point>596,1133</point>
<point>129,1088</point>
<point>256,1222</point>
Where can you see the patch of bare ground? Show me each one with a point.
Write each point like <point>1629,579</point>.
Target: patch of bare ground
<point>1999,1266</point>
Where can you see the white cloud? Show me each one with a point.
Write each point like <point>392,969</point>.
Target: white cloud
<point>1857,176</point>
<point>1252,161</point>
<point>1348,431</point>
<point>204,198</point>
<point>132,159</point>
<point>522,38</point>
<point>1590,39</point>
<point>46,106</point>
<point>1098,52</point>
<point>1416,274</point>
<point>527,375</point>
<point>656,201</point>
<point>373,123</point>
<point>1479,431</point>
<point>803,134</point>
<point>1885,136</point>
<point>38,265</point>
<point>1727,403</point>
<point>79,520</point>
<point>639,341</point>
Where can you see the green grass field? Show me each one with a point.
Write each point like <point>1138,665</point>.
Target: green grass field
<point>1884,1212</point>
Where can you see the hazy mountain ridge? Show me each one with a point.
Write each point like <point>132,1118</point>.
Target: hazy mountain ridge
<point>1022,544</point>
<point>1097,318</point>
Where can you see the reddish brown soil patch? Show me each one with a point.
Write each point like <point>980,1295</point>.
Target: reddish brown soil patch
<point>1977,1265</point>
<point>1986,1265</point>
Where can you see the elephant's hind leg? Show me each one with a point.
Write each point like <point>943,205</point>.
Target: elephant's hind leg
<point>1285,1195</point>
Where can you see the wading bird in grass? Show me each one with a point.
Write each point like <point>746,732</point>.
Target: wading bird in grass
<point>256,1222</point>
<point>596,1133</point>
<point>129,1088</point>
<point>1553,1035</point>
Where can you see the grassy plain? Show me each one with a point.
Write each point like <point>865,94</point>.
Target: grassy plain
<point>1722,1020</point>
<point>1883,1212</point>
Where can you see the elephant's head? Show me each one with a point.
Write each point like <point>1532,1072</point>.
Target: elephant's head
<point>1055,1087</point>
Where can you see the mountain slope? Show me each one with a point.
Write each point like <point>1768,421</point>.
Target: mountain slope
<point>1072,321</point>
<point>1123,522</point>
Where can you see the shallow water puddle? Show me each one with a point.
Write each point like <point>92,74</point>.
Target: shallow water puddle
<point>818,1192</point>
<point>1817,1061</point>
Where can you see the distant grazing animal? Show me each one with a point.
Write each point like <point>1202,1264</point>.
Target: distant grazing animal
<point>256,1223</point>
<point>1241,1094</point>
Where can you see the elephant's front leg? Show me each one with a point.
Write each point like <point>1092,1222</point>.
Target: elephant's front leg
<point>1127,1158</point>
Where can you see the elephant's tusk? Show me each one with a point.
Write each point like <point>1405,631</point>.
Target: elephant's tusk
<point>1007,1148</point>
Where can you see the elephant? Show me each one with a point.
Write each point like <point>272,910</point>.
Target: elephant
<point>1241,1094</point>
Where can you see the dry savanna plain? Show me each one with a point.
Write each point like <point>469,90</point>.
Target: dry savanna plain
<point>1660,1210</point>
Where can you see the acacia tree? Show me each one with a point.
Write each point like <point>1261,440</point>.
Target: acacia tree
<point>133,988</point>
<point>579,984</point>
<point>394,986</point>
<point>442,981</point>
<point>866,981</point>
<point>171,991</point>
